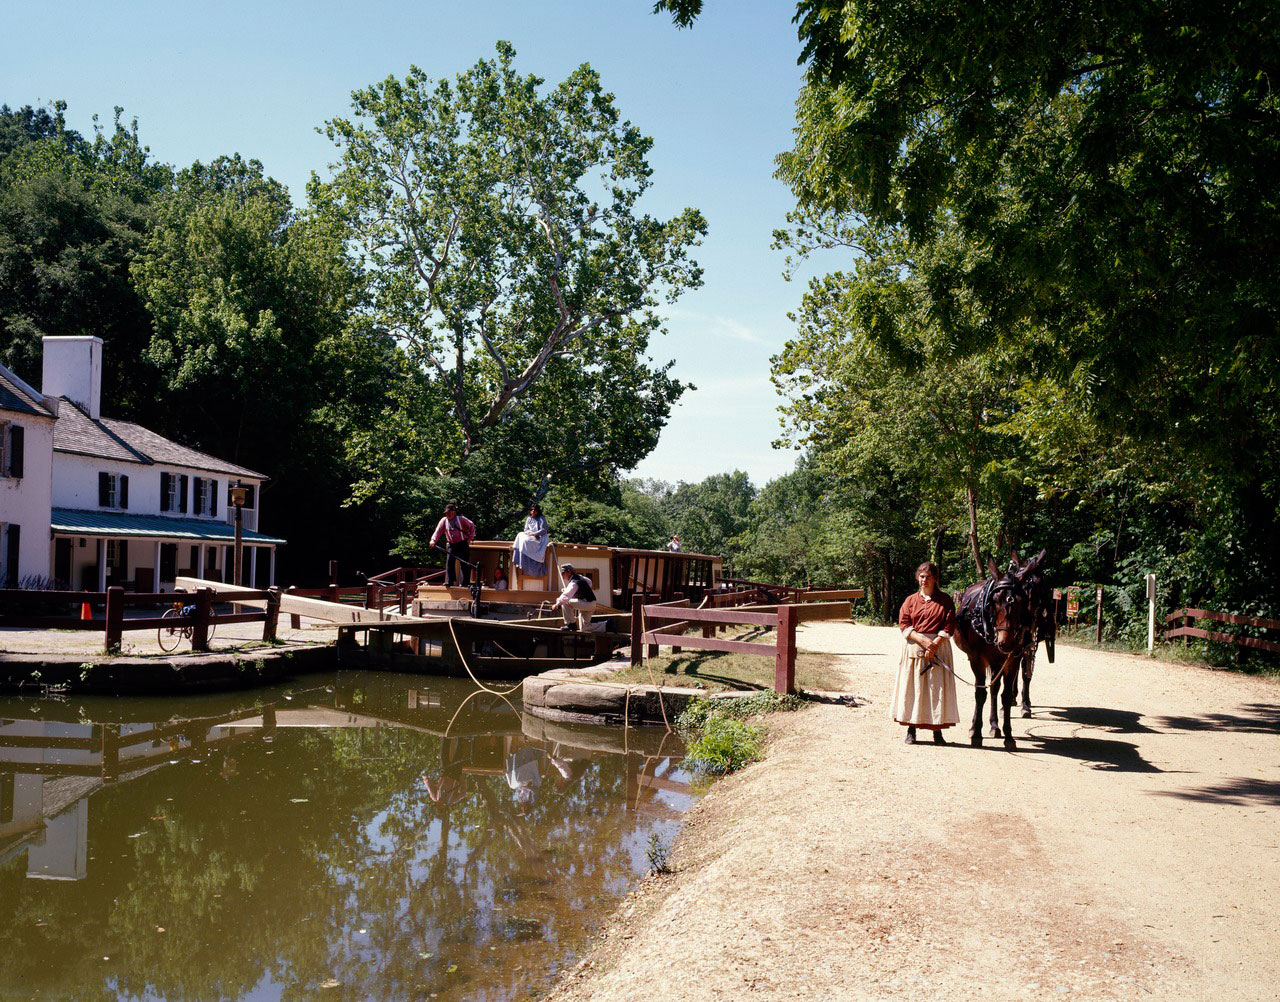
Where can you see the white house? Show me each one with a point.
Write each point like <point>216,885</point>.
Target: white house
<point>26,457</point>
<point>127,506</point>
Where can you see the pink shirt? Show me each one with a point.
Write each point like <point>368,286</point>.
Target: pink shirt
<point>459,529</point>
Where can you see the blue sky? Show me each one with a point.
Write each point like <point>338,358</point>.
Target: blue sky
<point>258,78</point>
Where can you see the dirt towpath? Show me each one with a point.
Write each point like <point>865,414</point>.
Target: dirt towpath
<point>1129,848</point>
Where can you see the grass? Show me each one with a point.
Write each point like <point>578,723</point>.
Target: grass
<point>716,671</point>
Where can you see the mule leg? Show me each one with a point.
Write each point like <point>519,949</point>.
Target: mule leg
<point>1007,705</point>
<point>979,698</point>
<point>1028,667</point>
<point>993,713</point>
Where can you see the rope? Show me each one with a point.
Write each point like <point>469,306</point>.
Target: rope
<point>463,657</point>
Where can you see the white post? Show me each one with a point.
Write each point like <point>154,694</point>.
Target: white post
<point>200,561</point>
<point>253,566</point>
<point>155,575</point>
<point>271,575</point>
<point>102,565</point>
<point>1151,613</point>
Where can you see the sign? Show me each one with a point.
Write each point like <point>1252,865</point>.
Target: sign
<point>1073,602</point>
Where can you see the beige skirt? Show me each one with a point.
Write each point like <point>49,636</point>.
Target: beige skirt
<point>925,699</point>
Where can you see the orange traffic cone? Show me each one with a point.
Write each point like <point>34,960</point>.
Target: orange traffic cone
<point>86,611</point>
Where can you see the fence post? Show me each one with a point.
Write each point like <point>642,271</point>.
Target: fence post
<point>272,622</point>
<point>200,628</point>
<point>784,673</point>
<point>115,618</point>
<point>403,589</point>
<point>1098,634</point>
<point>1151,613</point>
<point>637,628</point>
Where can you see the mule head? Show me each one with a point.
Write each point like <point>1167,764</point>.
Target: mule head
<point>1010,613</point>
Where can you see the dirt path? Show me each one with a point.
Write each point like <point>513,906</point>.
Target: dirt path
<point>1127,849</point>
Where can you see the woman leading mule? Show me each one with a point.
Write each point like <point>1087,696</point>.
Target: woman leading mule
<point>924,694</point>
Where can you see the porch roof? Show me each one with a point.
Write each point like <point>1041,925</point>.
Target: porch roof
<point>77,522</point>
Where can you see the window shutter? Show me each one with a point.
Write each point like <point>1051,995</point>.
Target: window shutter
<point>104,489</point>
<point>124,491</point>
<point>213,498</point>
<point>197,503</point>
<point>15,453</point>
<point>11,564</point>
<point>164,491</point>
<point>182,495</point>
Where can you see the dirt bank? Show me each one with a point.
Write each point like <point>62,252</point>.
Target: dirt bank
<point>1127,849</point>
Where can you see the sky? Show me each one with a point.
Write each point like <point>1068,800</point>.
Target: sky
<point>258,78</point>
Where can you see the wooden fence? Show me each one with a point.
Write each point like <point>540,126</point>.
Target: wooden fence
<point>115,600</point>
<point>678,617</point>
<point>1185,617</point>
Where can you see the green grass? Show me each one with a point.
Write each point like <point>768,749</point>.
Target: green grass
<point>716,671</point>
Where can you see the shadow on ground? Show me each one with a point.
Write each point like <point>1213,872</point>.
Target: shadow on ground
<point>1118,721</point>
<point>1253,718</point>
<point>1239,792</point>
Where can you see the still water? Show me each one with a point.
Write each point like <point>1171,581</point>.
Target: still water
<point>351,836</point>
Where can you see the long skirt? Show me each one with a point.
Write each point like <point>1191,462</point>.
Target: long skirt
<point>529,554</point>
<point>925,699</point>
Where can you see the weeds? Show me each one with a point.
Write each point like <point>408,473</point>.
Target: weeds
<point>657,851</point>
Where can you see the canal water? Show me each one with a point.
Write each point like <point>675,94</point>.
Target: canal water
<point>350,836</point>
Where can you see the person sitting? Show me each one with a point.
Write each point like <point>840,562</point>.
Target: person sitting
<point>500,580</point>
<point>529,551</point>
<point>578,598</point>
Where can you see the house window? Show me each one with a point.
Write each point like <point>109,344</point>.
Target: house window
<point>113,490</point>
<point>205,501</point>
<point>169,492</point>
<point>11,450</point>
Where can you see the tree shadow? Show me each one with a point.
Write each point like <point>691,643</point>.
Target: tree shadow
<point>1254,718</point>
<point>1238,792</point>
<point>689,666</point>
<point>1118,721</point>
<point>1097,753</point>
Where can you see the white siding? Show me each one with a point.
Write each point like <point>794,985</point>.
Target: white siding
<point>25,501</point>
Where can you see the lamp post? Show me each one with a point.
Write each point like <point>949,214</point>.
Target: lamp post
<point>237,499</point>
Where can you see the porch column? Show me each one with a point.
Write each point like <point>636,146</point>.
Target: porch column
<point>155,574</point>
<point>102,564</point>
<point>229,564</point>
<point>271,576</point>
<point>200,559</point>
<point>253,567</point>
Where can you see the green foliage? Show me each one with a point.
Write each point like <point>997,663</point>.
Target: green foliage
<point>724,745</point>
<point>657,852</point>
<point>497,225</point>
<point>699,711</point>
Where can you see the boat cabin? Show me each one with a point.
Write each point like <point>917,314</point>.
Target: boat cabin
<point>616,574</point>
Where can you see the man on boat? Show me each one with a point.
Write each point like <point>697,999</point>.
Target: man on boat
<point>577,598</point>
<point>458,531</point>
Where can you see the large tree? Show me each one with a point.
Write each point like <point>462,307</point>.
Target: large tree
<point>501,230</point>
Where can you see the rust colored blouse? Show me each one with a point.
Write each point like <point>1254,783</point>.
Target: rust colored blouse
<point>936,614</point>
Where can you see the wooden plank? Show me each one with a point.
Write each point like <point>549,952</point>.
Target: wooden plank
<point>51,623</point>
<point>820,611</point>
<point>712,644</point>
<point>738,616</point>
<point>1223,638</point>
<point>832,595</point>
<point>1224,617</point>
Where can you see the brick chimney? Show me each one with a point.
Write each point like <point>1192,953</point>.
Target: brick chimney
<point>73,369</point>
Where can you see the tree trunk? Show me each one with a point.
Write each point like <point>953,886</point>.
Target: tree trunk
<point>972,495</point>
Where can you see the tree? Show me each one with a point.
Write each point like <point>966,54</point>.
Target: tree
<point>709,514</point>
<point>1109,162</point>
<point>73,217</point>
<point>500,231</point>
<point>251,305</point>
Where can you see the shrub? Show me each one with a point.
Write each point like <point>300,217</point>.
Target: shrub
<point>724,745</point>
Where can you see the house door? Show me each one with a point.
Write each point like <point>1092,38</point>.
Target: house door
<point>168,562</point>
<point>62,562</point>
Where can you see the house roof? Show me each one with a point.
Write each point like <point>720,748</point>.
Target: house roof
<point>131,443</point>
<point>79,522</point>
<point>15,395</point>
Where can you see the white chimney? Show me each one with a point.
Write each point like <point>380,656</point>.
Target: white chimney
<point>73,369</point>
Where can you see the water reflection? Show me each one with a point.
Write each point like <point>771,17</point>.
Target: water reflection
<point>365,836</point>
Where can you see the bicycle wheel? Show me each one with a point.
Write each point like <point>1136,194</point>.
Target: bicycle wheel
<point>168,636</point>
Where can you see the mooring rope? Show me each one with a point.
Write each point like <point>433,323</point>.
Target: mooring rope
<point>458,645</point>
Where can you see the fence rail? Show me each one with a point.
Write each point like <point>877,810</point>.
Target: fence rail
<point>115,599</point>
<point>1185,616</point>
<point>676,618</point>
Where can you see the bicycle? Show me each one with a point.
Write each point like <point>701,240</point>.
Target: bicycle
<point>168,636</point>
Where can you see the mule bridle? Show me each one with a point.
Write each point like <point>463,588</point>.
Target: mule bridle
<point>983,617</point>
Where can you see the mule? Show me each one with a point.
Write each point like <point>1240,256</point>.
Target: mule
<point>992,622</point>
<point>1044,626</point>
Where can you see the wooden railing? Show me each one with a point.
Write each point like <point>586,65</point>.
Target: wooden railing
<point>678,618</point>
<point>1185,616</point>
<point>115,600</point>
